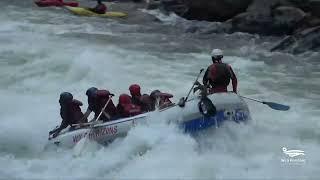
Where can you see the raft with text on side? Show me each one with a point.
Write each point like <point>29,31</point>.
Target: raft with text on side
<point>197,114</point>
<point>58,3</point>
<point>80,11</point>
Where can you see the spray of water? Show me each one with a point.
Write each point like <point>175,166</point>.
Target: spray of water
<point>40,59</point>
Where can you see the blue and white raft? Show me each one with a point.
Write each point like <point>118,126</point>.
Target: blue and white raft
<point>193,117</point>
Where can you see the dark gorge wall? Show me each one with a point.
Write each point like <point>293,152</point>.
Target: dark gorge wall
<point>299,19</point>
<point>215,10</point>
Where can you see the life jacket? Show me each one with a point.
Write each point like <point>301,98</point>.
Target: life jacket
<point>146,103</point>
<point>71,113</point>
<point>77,113</point>
<point>136,100</point>
<point>102,97</point>
<point>131,110</point>
<point>124,99</point>
<point>126,108</point>
<point>100,9</point>
<point>219,75</point>
<point>165,100</point>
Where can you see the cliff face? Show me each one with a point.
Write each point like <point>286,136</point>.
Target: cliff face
<point>264,17</point>
<point>215,10</point>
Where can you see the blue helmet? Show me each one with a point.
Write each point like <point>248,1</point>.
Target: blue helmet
<point>154,94</point>
<point>65,97</point>
<point>91,91</point>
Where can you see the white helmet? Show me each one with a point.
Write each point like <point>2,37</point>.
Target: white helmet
<point>217,53</point>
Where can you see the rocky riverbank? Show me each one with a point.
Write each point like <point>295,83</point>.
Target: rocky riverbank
<point>298,21</point>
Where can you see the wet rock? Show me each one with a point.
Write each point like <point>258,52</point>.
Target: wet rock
<point>177,6</point>
<point>278,21</point>
<point>286,18</point>
<point>264,17</point>
<point>265,6</point>
<point>152,4</point>
<point>217,28</point>
<point>301,42</point>
<point>308,21</point>
<point>253,22</point>
<point>310,6</point>
<point>315,8</point>
<point>209,28</point>
<point>215,10</point>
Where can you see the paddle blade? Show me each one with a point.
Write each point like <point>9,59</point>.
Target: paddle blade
<point>276,106</point>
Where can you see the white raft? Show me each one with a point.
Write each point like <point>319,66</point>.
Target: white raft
<point>229,106</point>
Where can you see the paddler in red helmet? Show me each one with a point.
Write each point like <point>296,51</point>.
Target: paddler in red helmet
<point>143,101</point>
<point>126,108</point>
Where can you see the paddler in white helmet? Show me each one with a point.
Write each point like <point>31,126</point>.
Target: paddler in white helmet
<point>218,75</point>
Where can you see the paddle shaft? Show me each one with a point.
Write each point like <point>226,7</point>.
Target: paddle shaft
<point>273,105</point>
<point>253,99</point>
<point>104,107</point>
<point>193,85</point>
<point>83,141</point>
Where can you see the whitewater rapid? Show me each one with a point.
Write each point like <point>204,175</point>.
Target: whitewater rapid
<point>44,52</point>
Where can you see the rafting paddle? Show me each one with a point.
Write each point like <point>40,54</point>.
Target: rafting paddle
<point>272,105</point>
<point>78,148</point>
<point>183,101</point>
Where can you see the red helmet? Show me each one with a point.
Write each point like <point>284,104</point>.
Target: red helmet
<point>124,99</point>
<point>135,90</point>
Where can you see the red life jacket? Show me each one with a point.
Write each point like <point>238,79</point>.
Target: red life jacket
<point>219,75</point>
<point>131,110</point>
<point>100,9</point>
<point>126,108</point>
<point>102,97</point>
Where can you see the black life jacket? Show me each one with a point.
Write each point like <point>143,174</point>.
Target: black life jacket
<point>71,113</point>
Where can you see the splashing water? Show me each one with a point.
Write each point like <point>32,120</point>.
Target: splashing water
<point>50,51</point>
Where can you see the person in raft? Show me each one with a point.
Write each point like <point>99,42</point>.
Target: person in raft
<point>218,74</point>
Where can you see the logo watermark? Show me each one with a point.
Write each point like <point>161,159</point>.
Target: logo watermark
<point>294,157</point>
